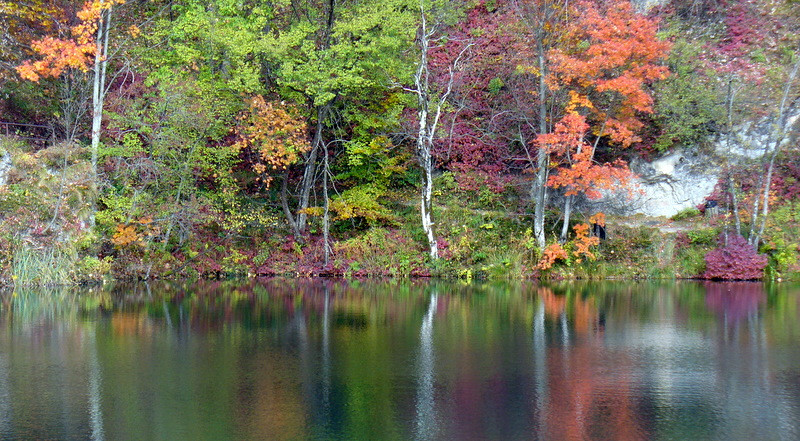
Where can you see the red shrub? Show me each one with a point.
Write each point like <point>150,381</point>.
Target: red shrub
<point>736,261</point>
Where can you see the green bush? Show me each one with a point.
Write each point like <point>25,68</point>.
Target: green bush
<point>93,269</point>
<point>691,262</point>
<point>686,214</point>
<point>705,236</point>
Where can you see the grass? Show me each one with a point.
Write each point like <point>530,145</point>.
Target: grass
<point>43,267</point>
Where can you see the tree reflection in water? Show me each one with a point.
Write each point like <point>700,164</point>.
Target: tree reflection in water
<point>299,359</point>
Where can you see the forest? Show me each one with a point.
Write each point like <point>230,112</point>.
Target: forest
<point>408,138</point>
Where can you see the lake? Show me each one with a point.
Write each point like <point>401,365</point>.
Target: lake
<point>310,359</point>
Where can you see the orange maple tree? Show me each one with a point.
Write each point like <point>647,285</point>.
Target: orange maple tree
<point>582,247</point>
<point>275,131</point>
<point>610,55</point>
<point>581,174</point>
<point>77,51</point>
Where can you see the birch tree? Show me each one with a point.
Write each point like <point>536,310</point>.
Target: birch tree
<point>86,45</point>
<point>429,109</point>
<point>779,131</point>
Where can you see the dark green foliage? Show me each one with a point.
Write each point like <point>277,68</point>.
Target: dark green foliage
<point>689,104</point>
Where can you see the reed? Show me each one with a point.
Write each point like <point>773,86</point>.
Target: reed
<point>43,266</point>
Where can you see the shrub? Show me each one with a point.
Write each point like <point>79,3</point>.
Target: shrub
<point>704,236</point>
<point>736,261</point>
<point>686,214</point>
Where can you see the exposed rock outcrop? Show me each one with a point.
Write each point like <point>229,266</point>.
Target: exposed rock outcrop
<point>664,187</point>
<point>684,178</point>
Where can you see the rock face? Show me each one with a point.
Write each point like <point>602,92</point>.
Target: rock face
<point>752,140</point>
<point>673,183</point>
<point>664,187</point>
<point>683,179</point>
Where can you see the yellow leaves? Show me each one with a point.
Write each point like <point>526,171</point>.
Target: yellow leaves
<point>313,211</point>
<point>528,69</point>
<point>134,31</point>
<point>133,233</point>
<point>276,131</point>
<point>125,235</point>
<point>577,100</point>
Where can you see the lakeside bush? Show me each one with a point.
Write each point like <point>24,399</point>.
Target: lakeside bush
<point>738,260</point>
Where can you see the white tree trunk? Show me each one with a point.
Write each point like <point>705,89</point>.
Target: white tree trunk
<point>425,134</point>
<point>780,136</point>
<point>539,190</point>
<point>98,97</point>
<point>567,213</point>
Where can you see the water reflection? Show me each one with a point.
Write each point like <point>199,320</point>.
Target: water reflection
<point>426,414</point>
<point>295,359</point>
<point>735,301</point>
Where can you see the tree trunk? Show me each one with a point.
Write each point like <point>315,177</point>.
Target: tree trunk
<point>781,135</point>
<point>735,203</point>
<point>539,190</point>
<point>428,121</point>
<point>426,206</point>
<point>326,216</point>
<point>285,205</point>
<point>425,135</point>
<point>98,97</point>
<point>765,204</point>
<point>309,174</point>
<point>754,212</point>
<point>567,212</point>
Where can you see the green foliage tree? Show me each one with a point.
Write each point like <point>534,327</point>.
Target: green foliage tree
<point>689,105</point>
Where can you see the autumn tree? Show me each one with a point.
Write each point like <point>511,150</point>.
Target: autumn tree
<point>87,45</point>
<point>612,55</point>
<point>593,59</point>
<point>277,133</point>
<point>579,174</point>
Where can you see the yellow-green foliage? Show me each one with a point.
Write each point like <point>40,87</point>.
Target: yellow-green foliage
<point>781,241</point>
<point>378,251</point>
<point>362,201</point>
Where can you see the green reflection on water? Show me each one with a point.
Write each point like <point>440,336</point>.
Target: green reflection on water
<point>298,359</point>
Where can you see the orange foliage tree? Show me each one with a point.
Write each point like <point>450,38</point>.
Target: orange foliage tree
<point>608,56</point>
<point>581,247</point>
<point>275,132</point>
<point>74,52</point>
<point>582,175</point>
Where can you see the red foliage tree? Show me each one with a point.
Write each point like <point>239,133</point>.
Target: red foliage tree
<point>738,260</point>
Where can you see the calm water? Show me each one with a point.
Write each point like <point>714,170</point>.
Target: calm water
<point>408,360</point>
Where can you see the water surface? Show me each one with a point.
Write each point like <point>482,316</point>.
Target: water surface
<point>295,359</point>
